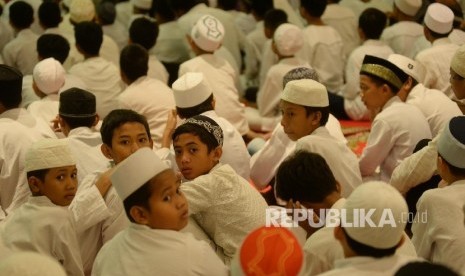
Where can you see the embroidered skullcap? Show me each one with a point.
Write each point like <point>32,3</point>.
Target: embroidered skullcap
<point>409,7</point>
<point>409,66</point>
<point>439,18</point>
<point>451,143</point>
<point>136,170</point>
<point>386,207</point>
<point>306,92</point>
<point>458,61</point>
<point>208,33</point>
<point>190,90</point>
<point>49,153</point>
<point>82,10</point>
<point>49,76</point>
<point>384,70</point>
<point>106,11</point>
<point>268,251</point>
<point>31,264</point>
<point>300,73</point>
<point>142,4</point>
<point>209,125</point>
<point>77,103</point>
<point>288,39</point>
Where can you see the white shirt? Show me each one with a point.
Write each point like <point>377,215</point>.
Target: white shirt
<point>401,36</point>
<point>436,61</point>
<point>118,33</point>
<point>323,50</point>
<point>6,34</point>
<point>440,239</point>
<point>46,109</point>
<point>257,38</point>
<point>359,6</point>
<point>21,51</point>
<point>170,46</point>
<point>151,98</point>
<point>26,119</point>
<point>124,11</point>
<point>74,56</point>
<point>103,80</point>
<point>164,252</point>
<point>226,206</point>
<point>222,79</point>
<point>157,70</point>
<point>269,58</point>
<point>341,160</point>
<point>43,227</point>
<point>393,138</point>
<point>110,50</point>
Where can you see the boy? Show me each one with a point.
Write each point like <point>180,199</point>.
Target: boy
<point>305,111</point>
<point>392,137</point>
<point>441,238</point>
<point>217,195</point>
<point>158,210</point>
<point>43,224</point>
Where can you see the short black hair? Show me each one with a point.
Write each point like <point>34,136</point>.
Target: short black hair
<point>11,81</point>
<point>273,18</point>
<point>162,8</point>
<point>188,112</point>
<point>379,81</point>
<point>323,110</point>
<point>183,6</point>
<point>204,136</point>
<point>134,61</point>
<point>227,5</point>
<point>144,31</point>
<point>455,171</point>
<point>75,122</point>
<point>365,250</point>
<point>140,197</point>
<point>117,118</point>
<point>49,14</point>
<point>372,22</point>
<point>89,37</point>
<point>306,177</point>
<point>53,45</point>
<point>21,14</point>
<point>426,269</point>
<point>260,7</point>
<point>314,8</point>
<point>39,174</point>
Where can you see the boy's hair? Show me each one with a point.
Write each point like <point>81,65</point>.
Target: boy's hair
<point>379,81</point>
<point>188,112</point>
<point>183,6</point>
<point>106,12</point>
<point>117,118</point>
<point>372,22</point>
<point>455,171</point>
<point>273,18</point>
<point>75,122</point>
<point>323,110</point>
<point>139,197</point>
<point>89,37</point>
<point>164,9</point>
<point>21,15</point>
<point>205,137</point>
<point>144,31</point>
<point>49,14</point>
<point>10,86</point>
<point>227,5</point>
<point>261,7</point>
<point>39,174</point>
<point>365,250</point>
<point>53,45</point>
<point>306,177</point>
<point>134,61</point>
<point>314,8</point>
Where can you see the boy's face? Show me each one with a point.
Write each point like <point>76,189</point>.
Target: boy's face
<point>457,84</point>
<point>373,96</point>
<point>168,205</point>
<point>126,140</point>
<point>296,122</point>
<point>60,185</point>
<point>192,156</point>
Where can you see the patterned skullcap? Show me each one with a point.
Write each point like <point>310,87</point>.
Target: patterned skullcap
<point>209,125</point>
<point>300,73</point>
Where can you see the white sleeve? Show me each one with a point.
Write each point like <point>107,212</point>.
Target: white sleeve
<point>199,193</point>
<point>118,220</point>
<point>68,249</point>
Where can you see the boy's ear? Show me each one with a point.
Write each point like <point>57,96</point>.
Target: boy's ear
<point>317,119</point>
<point>217,153</point>
<point>34,184</point>
<point>97,118</point>
<point>106,150</point>
<point>139,214</point>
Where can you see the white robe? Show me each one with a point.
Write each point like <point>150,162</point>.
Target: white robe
<point>21,51</point>
<point>401,36</point>
<point>157,70</point>
<point>26,119</point>
<point>170,46</point>
<point>118,33</point>
<point>46,109</point>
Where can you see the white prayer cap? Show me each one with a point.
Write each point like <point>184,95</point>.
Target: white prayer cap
<point>439,18</point>
<point>306,92</point>
<point>409,66</point>
<point>458,61</point>
<point>409,7</point>
<point>451,143</point>
<point>136,170</point>
<point>142,4</point>
<point>49,76</point>
<point>49,153</point>
<point>288,39</point>
<point>190,90</point>
<point>82,10</point>
<point>387,219</point>
<point>30,264</point>
<point>208,33</point>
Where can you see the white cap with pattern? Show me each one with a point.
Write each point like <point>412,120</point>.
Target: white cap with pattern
<point>208,33</point>
<point>409,66</point>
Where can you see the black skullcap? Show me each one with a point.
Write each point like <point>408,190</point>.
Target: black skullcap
<point>11,81</point>
<point>77,103</point>
<point>106,12</point>
<point>384,70</point>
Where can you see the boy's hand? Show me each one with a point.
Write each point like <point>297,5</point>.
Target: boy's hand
<point>305,223</point>
<point>169,128</point>
<point>55,124</point>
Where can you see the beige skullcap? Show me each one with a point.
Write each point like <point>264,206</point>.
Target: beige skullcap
<point>451,143</point>
<point>49,76</point>
<point>190,90</point>
<point>82,10</point>
<point>409,66</point>
<point>306,92</point>
<point>409,7</point>
<point>458,61</point>
<point>439,18</point>
<point>49,153</point>
<point>288,39</point>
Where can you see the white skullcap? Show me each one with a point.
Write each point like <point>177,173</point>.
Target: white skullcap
<point>31,264</point>
<point>389,207</point>
<point>49,153</point>
<point>49,76</point>
<point>409,66</point>
<point>190,90</point>
<point>288,39</point>
<point>451,143</point>
<point>306,92</point>
<point>409,7</point>
<point>134,171</point>
<point>458,61</point>
<point>208,33</point>
<point>142,4</point>
<point>439,18</point>
<point>82,10</point>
